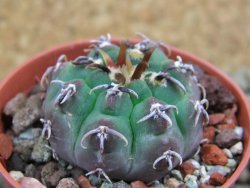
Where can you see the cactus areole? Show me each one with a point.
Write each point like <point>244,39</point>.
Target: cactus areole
<point>124,111</point>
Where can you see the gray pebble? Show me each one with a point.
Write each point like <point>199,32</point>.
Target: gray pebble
<point>121,184</point>
<point>94,180</point>
<point>30,170</point>
<point>63,163</point>
<point>227,138</point>
<point>24,148</point>
<point>52,173</point>
<point>27,115</point>
<point>40,152</point>
<point>106,185</point>
<point>16,162</point>
<point>34,101</point>
<point>15,104</point>
<point>176,174</point>
<point>237,148</point>
<point>24,118</point>
<point>30,134</point>
<point>67,183</point>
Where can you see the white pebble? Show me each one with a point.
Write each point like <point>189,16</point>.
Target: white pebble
<point>205,179</point>
<point>231,163</point>
<point>191,183</point>
<point>239,131</point>
<point>195,163</point>
<point>237,148</point>
<point>16,175</point>
<point>196,172</point>
<point>177,174</point>
<point>190,177</point>
<point>203,171</point>
<point>228,153</point>
<point>218,168</point>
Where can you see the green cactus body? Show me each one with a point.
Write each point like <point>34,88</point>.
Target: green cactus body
<point>126,110</point>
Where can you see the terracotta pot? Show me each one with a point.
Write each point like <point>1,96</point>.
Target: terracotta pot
<point>24,77</point>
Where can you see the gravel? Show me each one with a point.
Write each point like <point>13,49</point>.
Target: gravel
<point>52,173</point>
<point>15,104</point>
<point>227,138</point>
<point>24,117</point>
<point>40,152</point>
<point>32,158</point>
<point>67,183</point>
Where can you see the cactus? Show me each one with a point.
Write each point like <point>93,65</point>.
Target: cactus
<point>124,111</point>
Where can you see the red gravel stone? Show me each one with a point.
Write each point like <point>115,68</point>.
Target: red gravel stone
<point>215,119</point>
<point>212,155</point>
<point>186,168</point>
<point>84,182</point>
<point>217,179</point>
<point>138,184</point>
<point>225,126</point>
<point>209,133</point>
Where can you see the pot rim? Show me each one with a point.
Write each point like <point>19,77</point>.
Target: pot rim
<point>208,67</point>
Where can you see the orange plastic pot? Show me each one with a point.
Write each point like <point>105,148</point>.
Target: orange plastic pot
<point>23,79</point>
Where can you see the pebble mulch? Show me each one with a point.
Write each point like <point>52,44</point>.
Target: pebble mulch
<point>33,162</point>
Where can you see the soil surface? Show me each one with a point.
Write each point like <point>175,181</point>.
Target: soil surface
<point>34,162</point>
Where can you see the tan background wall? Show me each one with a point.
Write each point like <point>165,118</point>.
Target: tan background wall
<point>216,30</point>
